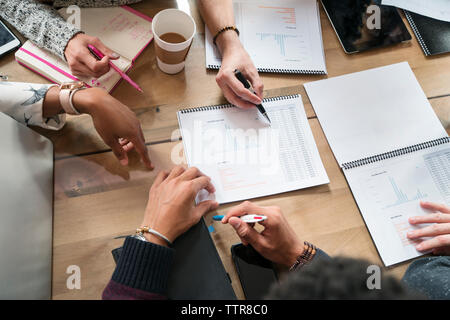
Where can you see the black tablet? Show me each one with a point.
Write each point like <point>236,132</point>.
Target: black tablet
<point>365,24</point>
<point>8,41</point>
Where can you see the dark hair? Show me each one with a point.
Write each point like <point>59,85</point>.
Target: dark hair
<point>338,278</point>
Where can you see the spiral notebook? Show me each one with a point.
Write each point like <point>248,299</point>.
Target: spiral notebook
<point>433,35</point>
<point>245,156</point>
<point>391,147</point>
<point>122,29</point>
<point>282,36</point>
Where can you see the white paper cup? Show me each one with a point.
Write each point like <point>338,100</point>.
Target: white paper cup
<point>171,56</point>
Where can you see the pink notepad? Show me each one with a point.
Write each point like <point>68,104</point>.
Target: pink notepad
<point>122,29</point>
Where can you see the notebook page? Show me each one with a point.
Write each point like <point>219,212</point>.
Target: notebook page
<point>372,112</point>
<point>388,193</point>
<point>247,158</point>
<point>281,35</point>
<point>119,29</point>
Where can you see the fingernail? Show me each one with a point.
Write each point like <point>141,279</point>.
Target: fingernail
<point>115,55</point>
<point>410,234</point>
<point>419,247</point>
<point>123,162</point>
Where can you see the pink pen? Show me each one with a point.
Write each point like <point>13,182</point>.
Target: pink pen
<point>96,53</point>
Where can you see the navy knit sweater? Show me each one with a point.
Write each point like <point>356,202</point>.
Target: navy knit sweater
<point>143,269</point>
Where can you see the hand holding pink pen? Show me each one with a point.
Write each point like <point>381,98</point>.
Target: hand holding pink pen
<point>96,53</point>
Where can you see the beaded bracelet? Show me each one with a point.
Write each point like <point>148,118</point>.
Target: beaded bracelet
<point>154,232</point>
<point>223,30</point>
<point>305,257</point>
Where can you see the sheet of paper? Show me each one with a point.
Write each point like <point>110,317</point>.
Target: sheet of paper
<point>437,9</point>
<point>373,112</point>
<point>247,158</point>
<point>281,35</point>
<point>388,193</point>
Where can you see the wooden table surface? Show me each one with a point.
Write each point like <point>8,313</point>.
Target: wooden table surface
<point>96,199</point>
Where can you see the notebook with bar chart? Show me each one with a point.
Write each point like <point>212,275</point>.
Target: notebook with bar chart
<point>280,36</point>
<point>391,146</point>
<point>245,156</point>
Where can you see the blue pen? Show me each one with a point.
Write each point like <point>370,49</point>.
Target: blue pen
<point>249,218</point>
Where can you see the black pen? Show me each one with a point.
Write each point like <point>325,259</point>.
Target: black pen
<point>244,81</point>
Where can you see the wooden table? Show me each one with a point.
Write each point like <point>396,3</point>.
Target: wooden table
<point>96,199</point>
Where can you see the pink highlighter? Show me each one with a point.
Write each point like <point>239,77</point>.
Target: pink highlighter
<point>96,53</point>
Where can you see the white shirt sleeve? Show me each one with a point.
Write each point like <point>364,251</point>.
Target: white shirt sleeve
<point>24,101</point>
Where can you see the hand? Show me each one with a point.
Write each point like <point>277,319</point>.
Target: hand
<point>80,59</point>
<point>116,124</point>
<point>171,208</point>
<point>234,57</point>
<point>439,231</point>
<point>277,243</point>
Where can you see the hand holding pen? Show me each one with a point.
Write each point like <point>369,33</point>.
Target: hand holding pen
<point>244,81</point>
<point>235,57</point>
<point>278,242</point>
<point>81,63</point>
<point>99,55</point>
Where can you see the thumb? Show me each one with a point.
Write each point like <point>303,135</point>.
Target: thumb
<point>204,207</point>
<point>245,232</point>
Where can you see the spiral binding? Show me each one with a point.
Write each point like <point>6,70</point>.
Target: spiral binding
<point>269,70</point>
<point>225,106</point>
<point>416,31</point>
<point>206,108</point>
<point>395,153</point>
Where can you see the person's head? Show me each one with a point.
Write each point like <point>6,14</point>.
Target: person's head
<point>339,278</point>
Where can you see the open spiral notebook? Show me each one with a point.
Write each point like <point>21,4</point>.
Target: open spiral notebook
<point>392,148</point>
<point>245,156</point>
<point>281,36</point>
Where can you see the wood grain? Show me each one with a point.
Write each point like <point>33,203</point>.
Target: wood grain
<point>96,199</point>
<point>195,86</point>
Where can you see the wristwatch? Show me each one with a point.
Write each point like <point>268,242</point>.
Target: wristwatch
<point>67,90</point>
